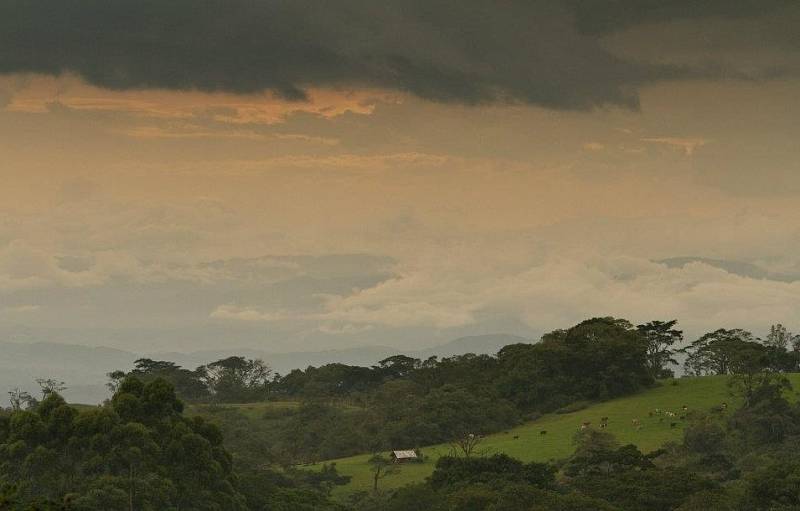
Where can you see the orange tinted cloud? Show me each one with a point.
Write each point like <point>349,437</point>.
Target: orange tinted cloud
<point>37,94</point>
<point>687,145</point>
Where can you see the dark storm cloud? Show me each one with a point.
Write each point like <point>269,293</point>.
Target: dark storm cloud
<point>540,52</point>
<point>604,16</point>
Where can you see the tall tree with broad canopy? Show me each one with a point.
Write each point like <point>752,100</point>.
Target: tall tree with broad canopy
<point>236,379</point>
<point>660,337</point>
<point>722,352</point>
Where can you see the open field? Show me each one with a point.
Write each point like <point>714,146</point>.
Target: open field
<point>526,442</point>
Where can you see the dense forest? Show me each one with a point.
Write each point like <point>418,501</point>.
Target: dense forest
<point>166,441</point>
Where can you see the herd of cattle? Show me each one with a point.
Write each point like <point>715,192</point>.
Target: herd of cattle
<point>663,416</point>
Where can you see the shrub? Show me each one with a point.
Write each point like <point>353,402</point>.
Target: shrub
<point>573,407</point>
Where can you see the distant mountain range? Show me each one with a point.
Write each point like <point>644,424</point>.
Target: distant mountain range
<point>84,368</point>
<point>363,355</point>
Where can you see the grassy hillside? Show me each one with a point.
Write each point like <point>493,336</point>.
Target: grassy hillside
<point>528,444</point>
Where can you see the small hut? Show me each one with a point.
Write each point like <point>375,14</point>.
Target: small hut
<point>404,456</point>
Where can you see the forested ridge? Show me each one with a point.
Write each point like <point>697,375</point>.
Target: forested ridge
<point>142,450</point>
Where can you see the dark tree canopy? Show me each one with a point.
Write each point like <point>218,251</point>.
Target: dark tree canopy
<point>139,452</point>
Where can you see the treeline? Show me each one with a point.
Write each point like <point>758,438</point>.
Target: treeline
<point>599,358</point>
<point>403,402</point>
<point>229,380</point>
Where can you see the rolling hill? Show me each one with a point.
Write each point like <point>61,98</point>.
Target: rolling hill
<point>527,443</point>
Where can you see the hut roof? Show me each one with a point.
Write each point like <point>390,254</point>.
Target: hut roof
<point>404,455</point>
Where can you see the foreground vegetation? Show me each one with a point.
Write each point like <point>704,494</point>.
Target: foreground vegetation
<point>140,452</point>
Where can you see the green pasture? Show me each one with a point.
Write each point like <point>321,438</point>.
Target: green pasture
<point>527,443</point>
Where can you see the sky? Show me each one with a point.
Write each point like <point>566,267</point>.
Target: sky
<point>301,175</point>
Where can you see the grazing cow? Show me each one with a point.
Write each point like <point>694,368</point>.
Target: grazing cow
<point>635,422</point>
<point>543,432</point>
<point>649,414</point>
<point>516,437</point>
<point>673,424</point>
<point>682,417</point>
<point>685,408</point>
<point>724,405</point>
<point>585,425</point>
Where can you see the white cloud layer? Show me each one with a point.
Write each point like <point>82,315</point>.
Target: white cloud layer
<point>554,294</point>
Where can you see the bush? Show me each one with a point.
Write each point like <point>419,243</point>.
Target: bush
<point>573,407</point>
<point>532,416</point>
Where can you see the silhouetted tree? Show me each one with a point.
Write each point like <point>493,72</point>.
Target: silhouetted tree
<point>660,337</point>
